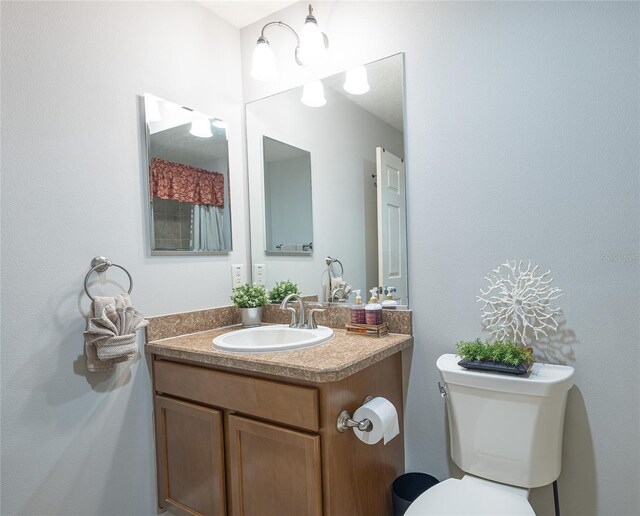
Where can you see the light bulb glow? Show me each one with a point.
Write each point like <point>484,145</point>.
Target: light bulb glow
<point>356,81</point>
<point>313,94</point>
<point>264,66</point>
<point>201,127</point>
<point>312,49</point>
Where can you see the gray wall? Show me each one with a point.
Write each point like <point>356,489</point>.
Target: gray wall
<point>72,187</point>
<point>522,128</point>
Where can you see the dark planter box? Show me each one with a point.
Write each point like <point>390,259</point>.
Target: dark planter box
<point>497,367</point>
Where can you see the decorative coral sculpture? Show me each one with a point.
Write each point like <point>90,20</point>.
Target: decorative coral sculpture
<point>517,303</point>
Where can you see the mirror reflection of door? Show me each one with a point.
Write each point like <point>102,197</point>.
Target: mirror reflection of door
<point>392,223</point>
<point>287,198</point>
<point>188,167</point>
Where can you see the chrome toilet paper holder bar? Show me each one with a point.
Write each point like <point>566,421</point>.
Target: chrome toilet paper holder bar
<point>345,421</point>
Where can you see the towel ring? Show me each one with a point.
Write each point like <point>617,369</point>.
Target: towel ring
<point>330,261</point>
<point>101,264</point>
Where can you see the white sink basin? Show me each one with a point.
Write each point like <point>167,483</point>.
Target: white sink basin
<point>277,337</point>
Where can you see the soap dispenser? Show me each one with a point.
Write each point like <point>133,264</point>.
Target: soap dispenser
<point>357,310</point>
<point>389,303</point>
<point>373,311</point>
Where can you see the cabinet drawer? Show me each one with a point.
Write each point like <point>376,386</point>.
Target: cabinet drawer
<point>288,404</point>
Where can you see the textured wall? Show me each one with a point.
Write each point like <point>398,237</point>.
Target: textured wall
<point>522,128</point>
<point>72,188</point>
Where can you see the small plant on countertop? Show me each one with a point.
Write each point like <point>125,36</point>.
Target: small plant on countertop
<point>507,352</point>
<point>282,289</point>
<point>249,296</point>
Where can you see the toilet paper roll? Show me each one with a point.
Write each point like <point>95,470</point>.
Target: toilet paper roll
<point>384,418</point>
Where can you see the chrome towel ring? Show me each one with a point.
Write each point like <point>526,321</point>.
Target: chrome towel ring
<point>330,261</point>
<point>101,264</point>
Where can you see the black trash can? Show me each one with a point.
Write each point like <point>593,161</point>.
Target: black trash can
<point>406,488</point>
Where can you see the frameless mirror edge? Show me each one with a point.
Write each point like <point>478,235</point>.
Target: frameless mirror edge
<point>145,161</point>
<point>402,60</point>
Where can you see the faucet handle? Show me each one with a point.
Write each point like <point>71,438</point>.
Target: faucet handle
<point>311,323</point>
<point>293,322</point>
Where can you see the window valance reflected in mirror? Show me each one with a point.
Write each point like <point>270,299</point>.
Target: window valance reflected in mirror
<point>355,143</point>
<point>287,198</point>
<point>188,174</point>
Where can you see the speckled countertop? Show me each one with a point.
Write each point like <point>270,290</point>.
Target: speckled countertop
<point>345,354</point>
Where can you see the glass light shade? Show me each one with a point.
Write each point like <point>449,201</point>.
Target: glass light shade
<point>313,94</point>
<point>356,81</point>
<point>201,127</point>
<point>220,124</point>
<point>264,66</point>
<point>312,49</point>
<point>151,109</point>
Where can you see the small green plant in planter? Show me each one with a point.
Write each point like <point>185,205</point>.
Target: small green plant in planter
<point>281,290</point>
<point>249,299</point>
<point>501,356</point>
<point>249,296</point>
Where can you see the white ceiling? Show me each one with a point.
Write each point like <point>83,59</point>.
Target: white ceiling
<point>241,13</point>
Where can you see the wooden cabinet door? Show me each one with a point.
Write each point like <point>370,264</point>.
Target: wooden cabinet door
<point>190,455</point>
<point>274,471</point>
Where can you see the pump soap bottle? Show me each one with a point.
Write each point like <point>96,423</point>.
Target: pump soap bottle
<point>373,311</point>
<point>357,310</point>
<point>389,303</point>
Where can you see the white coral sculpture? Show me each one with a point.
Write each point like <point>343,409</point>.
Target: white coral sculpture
<point>517,303</point>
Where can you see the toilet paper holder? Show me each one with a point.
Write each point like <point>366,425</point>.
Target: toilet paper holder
<point>345,421</point>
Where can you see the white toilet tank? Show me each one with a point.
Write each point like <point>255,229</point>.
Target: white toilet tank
<point>507,428</point>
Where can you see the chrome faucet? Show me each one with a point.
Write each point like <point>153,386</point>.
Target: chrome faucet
<point>299,321</point>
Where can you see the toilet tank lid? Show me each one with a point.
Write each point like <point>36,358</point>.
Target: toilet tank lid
<point>543,380</point>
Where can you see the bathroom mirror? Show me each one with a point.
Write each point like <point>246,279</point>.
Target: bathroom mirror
<point>188,170</point>
<point>356,149</point>
<point>288,214</point>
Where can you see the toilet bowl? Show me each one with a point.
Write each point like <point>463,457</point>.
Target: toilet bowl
<point>471,496</point>
<point>505,433</point>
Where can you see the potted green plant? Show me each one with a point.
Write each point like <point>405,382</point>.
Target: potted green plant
<point>500,357</point>
<point>282,289</point>
<point>250,300</point>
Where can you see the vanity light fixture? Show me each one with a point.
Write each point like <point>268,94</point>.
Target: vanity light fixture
<point>356,81</point>
<point>313,94</point>
<point>311,48</point>
<point>200,126</point>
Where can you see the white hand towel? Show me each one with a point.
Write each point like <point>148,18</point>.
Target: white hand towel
<point>336,282</point>
<point>110,336</point>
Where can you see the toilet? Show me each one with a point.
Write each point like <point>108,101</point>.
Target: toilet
<point>505,433</point>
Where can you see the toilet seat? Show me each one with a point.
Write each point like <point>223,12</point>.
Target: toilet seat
<point>471,496</point>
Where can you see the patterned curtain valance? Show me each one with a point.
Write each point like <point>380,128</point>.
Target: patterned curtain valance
<point>185,183</point>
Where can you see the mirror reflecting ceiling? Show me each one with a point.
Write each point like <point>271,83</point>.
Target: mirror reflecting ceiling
<point>188,171</point>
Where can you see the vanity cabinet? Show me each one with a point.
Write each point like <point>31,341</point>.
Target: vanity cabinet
<point>190,455</point>
<point>274,470</point>
<point>250,444</point>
